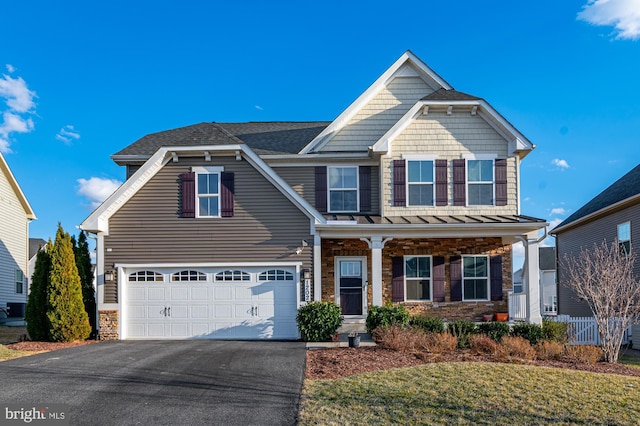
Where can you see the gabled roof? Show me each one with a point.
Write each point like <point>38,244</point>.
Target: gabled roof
<point>624,190</point>
<point>35,244</point>
<point>263,138</point>
<point>407,58</point>
<point>98,220</point>
<point>518,143</point>
<point>4,168</point>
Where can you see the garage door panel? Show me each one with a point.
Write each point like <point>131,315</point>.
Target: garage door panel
<point>217,309</point>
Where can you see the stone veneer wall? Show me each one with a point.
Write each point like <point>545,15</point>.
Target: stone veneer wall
<point>448,247</point>
<point>108,325</point>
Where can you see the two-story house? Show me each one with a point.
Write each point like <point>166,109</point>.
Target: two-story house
<point>411,195</point>
<point>15,215</point>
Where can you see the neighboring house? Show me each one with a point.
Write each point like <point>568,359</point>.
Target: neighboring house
<point>222,230</point>
<point>35,245</point>
<point>612,215</point>
<point>15,215</point>
<point>547,271</point>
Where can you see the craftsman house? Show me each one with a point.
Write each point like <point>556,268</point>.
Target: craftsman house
<point>15,216</point>
<point>411,195</point>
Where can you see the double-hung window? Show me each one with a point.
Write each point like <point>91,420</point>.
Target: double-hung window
<point>475,278</point>
<point>417,276</point>
<point>624,238</point>
<point>343,189</point>
<point>480,182</point>
<point>19,281</point>
<point>208,191</point>
<point>420,182</point>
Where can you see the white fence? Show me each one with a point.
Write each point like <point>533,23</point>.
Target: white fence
<point>517,306</point>
<point>584,330</point>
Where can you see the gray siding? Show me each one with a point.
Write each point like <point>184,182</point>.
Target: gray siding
<point>302,180</point>
<point>265,227</point>
<point>571,241</point>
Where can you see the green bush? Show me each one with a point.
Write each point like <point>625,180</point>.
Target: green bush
<point>462,329</point>
<point>318,321</point>
<point>428,324</point>
<point>495,330</point>
<point>555,331</point>
<point>384,316</point>
<point>532,332</point>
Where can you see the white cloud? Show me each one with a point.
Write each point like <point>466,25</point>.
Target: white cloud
<point>558,210</point>
<point>560,163</point>
<point>17,95</point>
<point>96,189</point>
<point>259,108</point>
<point>623,15</point>
<point>19,101</point>
<point>554,223</point>
<point>67,134</point>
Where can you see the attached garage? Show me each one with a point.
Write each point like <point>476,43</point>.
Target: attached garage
<point>209,302</point>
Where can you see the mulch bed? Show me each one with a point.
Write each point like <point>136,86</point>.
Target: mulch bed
<point>46,346</point>
<point>341,362</point>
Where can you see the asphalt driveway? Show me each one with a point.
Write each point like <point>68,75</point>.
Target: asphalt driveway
<point>162,383</point>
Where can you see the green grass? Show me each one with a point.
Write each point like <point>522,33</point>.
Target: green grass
<point>473,394</point>
<point>630,360</point>
<point>6,353</point>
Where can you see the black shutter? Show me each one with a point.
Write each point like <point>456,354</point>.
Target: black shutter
<point>321,189</point>
<point>438,279</point>
<point>441,183</point>
<point>188,195</point>
<point>459,183</point>
<point>397,284</point>
<point>501,182</point>
<point>226,194</point>
<point>496,277</point>
<point>455,270</point>
<point>365,188</point>
<point>399,184</point>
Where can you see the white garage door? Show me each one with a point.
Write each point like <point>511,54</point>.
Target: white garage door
<point>214,303</point>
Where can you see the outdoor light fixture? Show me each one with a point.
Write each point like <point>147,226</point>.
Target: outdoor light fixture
<point>108,276</point>
<point>306,274</point>
<point>301,248</point>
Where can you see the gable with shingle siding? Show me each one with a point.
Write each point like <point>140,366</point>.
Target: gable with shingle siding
<point>379,115</point>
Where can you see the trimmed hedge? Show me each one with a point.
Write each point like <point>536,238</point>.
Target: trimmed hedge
<point>428,324</point>
<point>495,330</point>
<point>319,321</point>
<point>384,316</point>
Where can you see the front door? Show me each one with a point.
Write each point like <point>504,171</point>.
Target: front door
<point>351,284</point>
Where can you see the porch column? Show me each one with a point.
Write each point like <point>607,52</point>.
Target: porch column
<point>376,244</point>
<point>317,268</point>
<point>531,278</point>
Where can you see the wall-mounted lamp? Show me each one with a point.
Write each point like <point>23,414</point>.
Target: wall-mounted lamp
<point>306,274</point>
<point>301,248</point>
<point>108,276</point>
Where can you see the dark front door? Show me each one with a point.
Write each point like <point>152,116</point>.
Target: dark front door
<point>351,286</point>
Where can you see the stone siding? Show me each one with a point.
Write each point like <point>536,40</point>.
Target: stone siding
<point>109,325</point>
<point>446,247</point>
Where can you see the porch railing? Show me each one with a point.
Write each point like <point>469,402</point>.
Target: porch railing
<point>517,306</point>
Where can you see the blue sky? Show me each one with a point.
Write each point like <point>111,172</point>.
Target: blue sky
<point>81,80</point>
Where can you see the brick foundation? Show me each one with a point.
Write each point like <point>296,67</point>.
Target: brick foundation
<point>109,325</point>
<point>446,248</point>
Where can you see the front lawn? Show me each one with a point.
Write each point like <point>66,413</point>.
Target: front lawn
<point>473,393</point>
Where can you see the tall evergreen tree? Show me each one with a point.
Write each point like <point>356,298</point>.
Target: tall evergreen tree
<point>67,317</point>
<point>85,270</point>
<point>36,311</point>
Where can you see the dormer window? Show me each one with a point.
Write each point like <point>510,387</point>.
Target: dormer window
<point>343,189</point>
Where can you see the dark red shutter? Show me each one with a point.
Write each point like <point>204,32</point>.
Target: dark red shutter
<point>321,189</point>
<point>501,182</point>
<point>399,183</point>
<point>226,194</point>
<point>438,279</point>
<point>365,188</point>
<point>455,270</point>
<point>441,183</point>
<point>188,195</point>
<point>397,284</point>
<point>495,269</point>
<point>459,183</point>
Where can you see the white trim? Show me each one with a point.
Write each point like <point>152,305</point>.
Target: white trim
<point>205,265</point>
<point>13,183</point>
<point>488,277</point>
<point>357,188</point>
<point>414,157</point>
<point>365,282</point>
<point>404,268</point>
<point>208,170</point>
<point>410,158</point>
<point>408,58</point>
<point>480,157</point>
